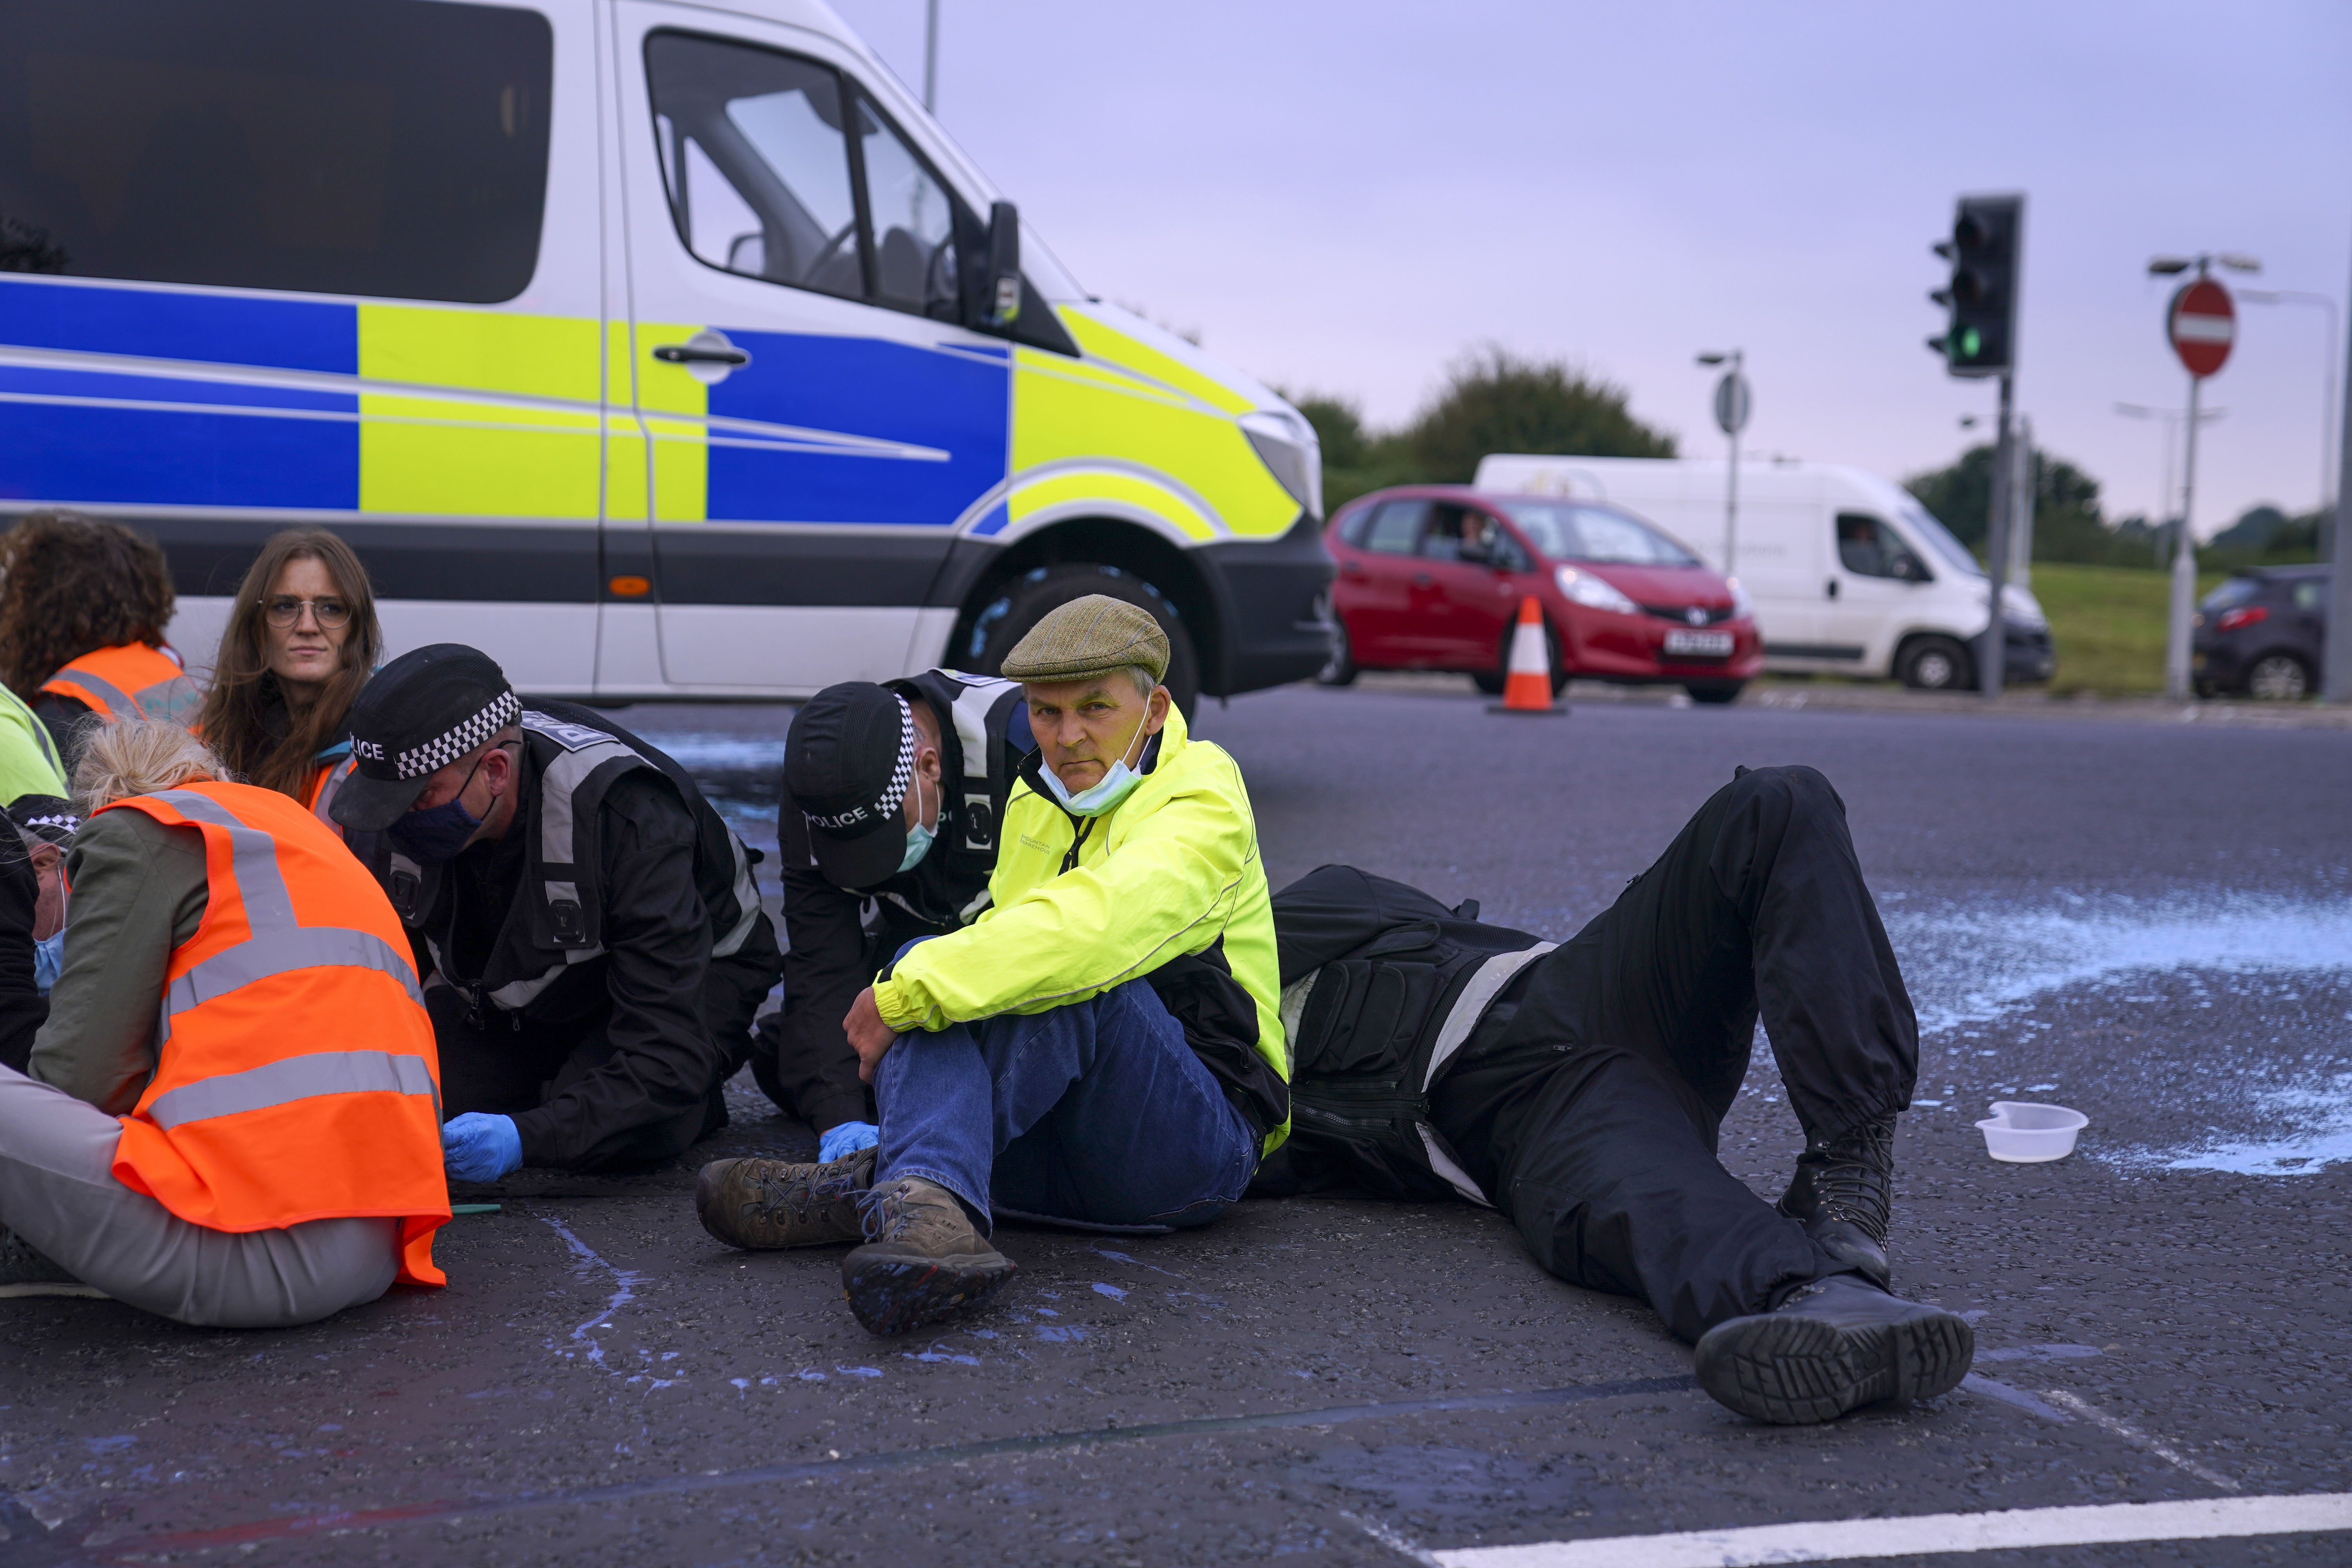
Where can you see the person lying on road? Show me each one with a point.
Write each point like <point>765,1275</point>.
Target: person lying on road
<point>1580,1089</point>
<point>893,797</point>
<point>1100,1048</point>
<point>593,940</point>
<point>230,1116</point>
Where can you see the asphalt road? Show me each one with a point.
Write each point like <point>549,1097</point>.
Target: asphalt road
<point>2150,923</point>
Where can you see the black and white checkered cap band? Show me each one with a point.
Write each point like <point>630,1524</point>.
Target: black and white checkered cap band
<point>434,755</point>
<point>902,772</point>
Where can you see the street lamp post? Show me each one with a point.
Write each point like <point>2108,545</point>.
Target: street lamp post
<point>2166,521</point>
<point>931,56</point>
<point>2327,497</point>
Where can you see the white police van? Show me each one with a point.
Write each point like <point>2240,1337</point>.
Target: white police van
<point>660,350</point>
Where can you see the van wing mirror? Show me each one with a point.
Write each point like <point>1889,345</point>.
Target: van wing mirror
<point>1001,301</point>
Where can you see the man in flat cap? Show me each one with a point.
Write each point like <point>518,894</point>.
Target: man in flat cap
<point>589,936</point>
<point>1102,1049</point>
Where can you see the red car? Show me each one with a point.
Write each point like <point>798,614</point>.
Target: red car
<point>1431,577</point>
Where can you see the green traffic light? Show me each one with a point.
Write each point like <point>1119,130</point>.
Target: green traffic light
<point>1967,343</point>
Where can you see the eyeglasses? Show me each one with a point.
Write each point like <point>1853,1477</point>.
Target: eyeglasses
<point>285,610</point>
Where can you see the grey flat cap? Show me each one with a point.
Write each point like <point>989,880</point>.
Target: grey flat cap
<point>1093,635</point>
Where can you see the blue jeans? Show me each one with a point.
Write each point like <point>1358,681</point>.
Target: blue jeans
<point>1096,1114</point>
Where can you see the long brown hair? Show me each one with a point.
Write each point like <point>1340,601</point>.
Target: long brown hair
<point>234,718</point>
<point>71,585</point>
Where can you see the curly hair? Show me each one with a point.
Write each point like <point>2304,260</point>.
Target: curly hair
<point>71,585</point>
<point>236,718</point>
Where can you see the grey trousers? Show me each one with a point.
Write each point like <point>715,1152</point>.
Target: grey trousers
<point>59,1194</point>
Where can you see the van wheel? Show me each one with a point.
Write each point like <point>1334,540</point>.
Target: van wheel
<point>1715,690</point>
<point>1936,664</point>
<point>1018,605</point>
<point>1339,669</point>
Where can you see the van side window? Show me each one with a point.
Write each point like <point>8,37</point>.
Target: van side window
<point>1396,527</point>
<point>1867,547</point>
<point>393,151</point>
<point>756,163</point>
<point>914,224</point>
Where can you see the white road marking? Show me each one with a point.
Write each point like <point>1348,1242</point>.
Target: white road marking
<point>1395,1541</point>
<point>1837,1540</point>
<point>2137,1438</point>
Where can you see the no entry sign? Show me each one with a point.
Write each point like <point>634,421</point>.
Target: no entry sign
<point>2203,324</point>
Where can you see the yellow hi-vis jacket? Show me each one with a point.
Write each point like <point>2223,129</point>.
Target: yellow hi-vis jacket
<point>1170,870</point>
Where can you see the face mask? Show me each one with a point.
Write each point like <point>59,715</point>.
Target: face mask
<point>48,959</point>
<point>436,834</point>
<point>1104,792</point>
<point>918,837</point>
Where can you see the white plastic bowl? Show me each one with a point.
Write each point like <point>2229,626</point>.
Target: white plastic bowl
<point>2021,1134</point>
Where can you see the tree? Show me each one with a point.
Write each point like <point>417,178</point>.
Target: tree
<point>1495,402</point>
<point>2067,524</point>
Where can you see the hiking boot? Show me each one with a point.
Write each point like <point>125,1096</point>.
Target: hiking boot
<point>1837,1344</point>
<point>1842,1193</point>
<point>762,1203</point>
<point>922,1261</point>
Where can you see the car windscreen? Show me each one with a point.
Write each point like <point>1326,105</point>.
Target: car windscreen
<point>1939,540</point>
<point>2232,593</point>
<point>1579,531</point>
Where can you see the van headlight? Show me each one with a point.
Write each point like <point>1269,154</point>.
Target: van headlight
<point>1285,444</point>
<point>1741,605</point>
<point>1593,593</point>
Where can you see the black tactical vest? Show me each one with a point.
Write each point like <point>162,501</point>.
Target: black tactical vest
<point>1381,985</point>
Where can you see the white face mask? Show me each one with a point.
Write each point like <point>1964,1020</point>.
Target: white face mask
<point>1104,792</point>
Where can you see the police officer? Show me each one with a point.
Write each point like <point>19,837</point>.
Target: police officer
<point>891,802</point>
<point>592,937</point>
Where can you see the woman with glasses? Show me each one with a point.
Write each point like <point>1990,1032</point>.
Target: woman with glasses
<point>300,643</point>
<point>83,605</point>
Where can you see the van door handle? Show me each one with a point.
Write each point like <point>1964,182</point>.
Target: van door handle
<point>690,353</point>
<point>1832,588</point>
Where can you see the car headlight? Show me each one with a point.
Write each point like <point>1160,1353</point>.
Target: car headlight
<point>1593,593</point>
<point>1285,444</point>
<point>1742,606</point>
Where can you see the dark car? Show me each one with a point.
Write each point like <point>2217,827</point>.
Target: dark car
<point>2261,632</point>
<point>1431,577</point>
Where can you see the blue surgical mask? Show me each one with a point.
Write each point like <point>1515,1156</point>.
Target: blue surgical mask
<point>436,834</point>
<point>918,837</point>
<point>1104,792</point>
<point>48,959</point>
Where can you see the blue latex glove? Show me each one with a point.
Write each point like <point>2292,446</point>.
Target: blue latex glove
<point>847,1138</point>
<point>480,1148</point>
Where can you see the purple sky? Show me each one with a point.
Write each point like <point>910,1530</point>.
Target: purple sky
<point>1344,197</point>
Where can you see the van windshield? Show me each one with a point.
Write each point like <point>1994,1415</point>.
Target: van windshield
<point>1939,538</point>
<point>1579,531</point>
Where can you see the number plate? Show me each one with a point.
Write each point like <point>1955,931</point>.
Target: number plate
<point>1700,645</point>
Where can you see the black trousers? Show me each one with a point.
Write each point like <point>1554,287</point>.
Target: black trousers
<point>1590,1111</point>
<point>504,1064</point>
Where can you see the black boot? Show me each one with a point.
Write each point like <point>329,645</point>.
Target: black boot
<point>1836,1345</point>
<point>1842,1193</point>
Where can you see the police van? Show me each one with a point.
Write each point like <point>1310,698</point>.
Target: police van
<point>658,349</point>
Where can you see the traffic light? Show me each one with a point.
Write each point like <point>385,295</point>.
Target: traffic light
<point>1987,240</point>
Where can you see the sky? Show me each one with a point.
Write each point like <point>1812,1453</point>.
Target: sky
<point>1346,199</point>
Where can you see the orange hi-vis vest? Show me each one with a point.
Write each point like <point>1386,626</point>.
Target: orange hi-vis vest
<point>296,1077</point>
<point>320,798</point>
<point>133,681</point>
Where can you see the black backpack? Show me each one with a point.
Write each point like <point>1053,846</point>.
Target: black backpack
<point>1381,985</point>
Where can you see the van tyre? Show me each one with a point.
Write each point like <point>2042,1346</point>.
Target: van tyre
<point>1936,664</point>
<point>1339,669</point>
<point>1004,619</point>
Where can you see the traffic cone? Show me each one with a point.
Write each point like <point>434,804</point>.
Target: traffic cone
<point>1526,680</point>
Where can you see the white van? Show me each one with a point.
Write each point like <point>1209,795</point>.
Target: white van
<point>659,349</point>
<point>1850,574</point>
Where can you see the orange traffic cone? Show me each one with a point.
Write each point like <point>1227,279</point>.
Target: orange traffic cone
<point>1526,680</point>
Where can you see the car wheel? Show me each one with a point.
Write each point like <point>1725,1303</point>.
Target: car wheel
<point>1715,690</point>
<point>1004,619</point>
<point>1936,664</point>
<point>1339,669</point>
<point>2278,677</point>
